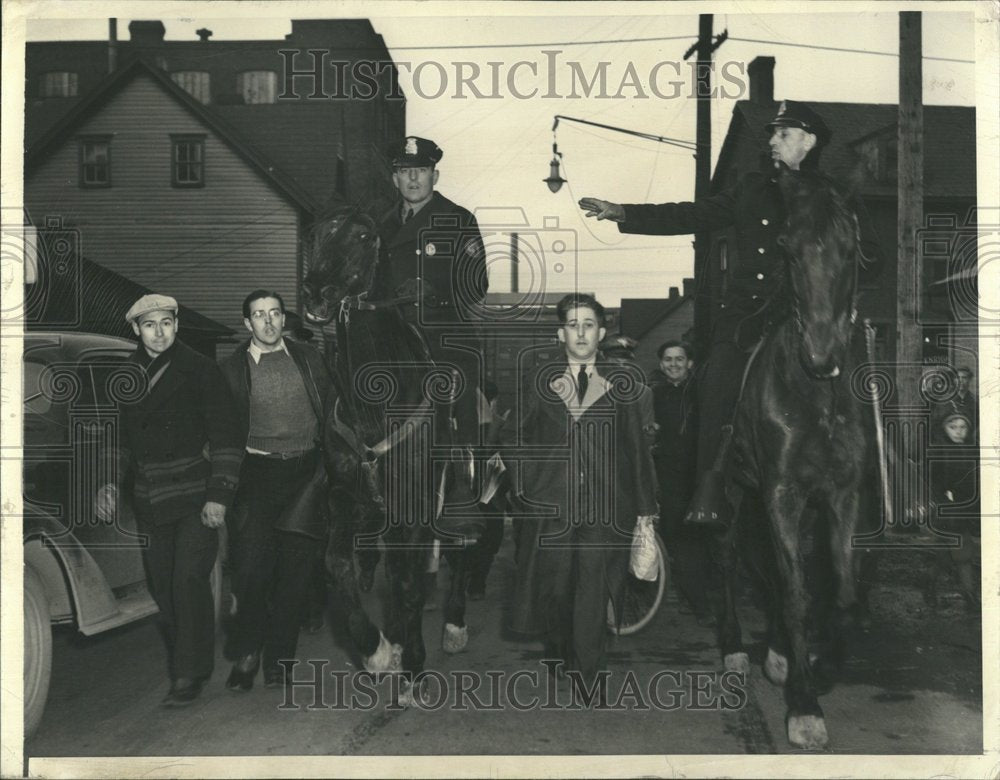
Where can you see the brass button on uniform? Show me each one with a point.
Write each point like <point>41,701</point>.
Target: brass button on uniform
<point>760,276</point>
<point>760,250</point>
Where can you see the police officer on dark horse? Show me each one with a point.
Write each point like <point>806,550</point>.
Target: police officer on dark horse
<point>795,234</point>
<point>403,391</point>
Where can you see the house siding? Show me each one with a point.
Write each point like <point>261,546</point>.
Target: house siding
<point>207,246</point>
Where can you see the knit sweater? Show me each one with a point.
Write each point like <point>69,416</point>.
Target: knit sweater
<point>281,417</point>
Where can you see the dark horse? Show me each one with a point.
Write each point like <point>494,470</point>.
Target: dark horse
<point>383,482</point>
<point>803,438</point>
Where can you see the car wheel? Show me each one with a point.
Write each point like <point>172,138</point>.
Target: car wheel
<point>37,650</point>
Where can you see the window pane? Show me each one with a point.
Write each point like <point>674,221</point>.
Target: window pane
<point>194,82</point>
<point>188,161</point>
<point>96,167</point>
<point>257,86</point>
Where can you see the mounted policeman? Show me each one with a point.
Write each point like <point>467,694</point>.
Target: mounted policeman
<point>757,290</point>
<point>435,248</point>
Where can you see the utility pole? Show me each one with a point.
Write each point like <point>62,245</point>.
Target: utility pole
<point>910,180</point>
<point>703,172</point>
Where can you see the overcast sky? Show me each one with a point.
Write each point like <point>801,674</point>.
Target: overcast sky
<point>497,149</point>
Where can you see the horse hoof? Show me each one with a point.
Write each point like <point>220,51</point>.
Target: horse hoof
<point>776,667</point>
<point>410,693</point>
<point>455,639</point>
<point>388,657</point>
<point>737,662</point>
<point>807,731</point>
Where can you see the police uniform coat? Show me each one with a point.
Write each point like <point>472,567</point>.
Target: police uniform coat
<point>755,208</point>
<point>441,244</point>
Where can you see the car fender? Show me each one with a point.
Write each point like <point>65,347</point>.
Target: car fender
<point>59,560</point>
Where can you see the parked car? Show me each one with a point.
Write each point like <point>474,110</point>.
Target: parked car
<point>82,566</point>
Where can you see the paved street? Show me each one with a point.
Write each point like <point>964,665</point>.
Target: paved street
<point>911,686</point>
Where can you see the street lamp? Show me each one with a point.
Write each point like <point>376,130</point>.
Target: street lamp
<point>555,181</point>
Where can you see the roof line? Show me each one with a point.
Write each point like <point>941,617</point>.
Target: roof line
<point>112,83</point>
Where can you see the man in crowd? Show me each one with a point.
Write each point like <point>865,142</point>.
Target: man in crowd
<point>181,442</point>
<point>595,481</point>
<point>675,454</point>
<point>962,403</point>
<point>282,389</point>
<point>435,247</point>
<point>755,207</point>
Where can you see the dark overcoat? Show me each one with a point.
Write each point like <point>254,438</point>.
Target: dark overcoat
<point>595,467</point>
<point>181,439</point>
<point>754,206</point>
<point>441,244</point>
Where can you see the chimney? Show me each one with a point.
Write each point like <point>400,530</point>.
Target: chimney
<point>688,288</point>
<point>674,292</point>
<point>761,72</point>
<point>146,33</point>
<point>112,45</point>
<point>204,34</point>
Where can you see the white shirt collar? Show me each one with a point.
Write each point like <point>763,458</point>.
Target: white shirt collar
<point>256,352</point>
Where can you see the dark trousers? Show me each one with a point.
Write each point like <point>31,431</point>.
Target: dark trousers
<point>272,569</point>
<point>482,553</point>
<point>689,546</point>
<point>178,563</point>
<point>718,392</point>
<point>579,588</point>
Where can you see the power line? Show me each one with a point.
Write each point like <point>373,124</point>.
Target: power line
<point>663,38</point>
<point>534,45</point>
<point>850,51</point>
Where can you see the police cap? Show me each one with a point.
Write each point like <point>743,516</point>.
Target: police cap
<point>795,114</point>
<point>415,152</point>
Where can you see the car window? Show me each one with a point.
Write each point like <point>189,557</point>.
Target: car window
<point>108,378</point>
<point>35,401</point>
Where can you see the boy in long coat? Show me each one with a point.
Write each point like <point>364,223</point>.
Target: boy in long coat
<point>586,476</point>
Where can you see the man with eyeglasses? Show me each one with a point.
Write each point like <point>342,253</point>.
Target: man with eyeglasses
<point>282,390</point>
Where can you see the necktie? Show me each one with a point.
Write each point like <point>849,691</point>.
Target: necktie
<point>407,216</point>
<point>581,384</point>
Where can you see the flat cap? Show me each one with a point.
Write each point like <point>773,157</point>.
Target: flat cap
<point>795,114</point>
<point>148,303</point>
<point>416,152</point>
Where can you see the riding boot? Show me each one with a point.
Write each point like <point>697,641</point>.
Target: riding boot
<point>710,506</point>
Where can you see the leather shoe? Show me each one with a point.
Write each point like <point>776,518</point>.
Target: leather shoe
<point>183,691</point>
<point>243,672</point>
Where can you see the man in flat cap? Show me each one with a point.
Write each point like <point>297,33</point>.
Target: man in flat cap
<point>180,441</point>
<point>755,208</point>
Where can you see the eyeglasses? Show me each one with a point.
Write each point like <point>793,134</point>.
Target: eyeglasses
<point>273,314</point>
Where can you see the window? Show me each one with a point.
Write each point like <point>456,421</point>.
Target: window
<point>257,86</point>
<point>195,82</point>
<point>58,84</point>
<point>188,160</point>
<point>95,161</point>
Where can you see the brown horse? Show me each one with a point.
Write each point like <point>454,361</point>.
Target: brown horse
<point>384,482</point>
<point>802,440</point>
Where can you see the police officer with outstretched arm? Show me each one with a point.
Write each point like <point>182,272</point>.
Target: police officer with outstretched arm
<point>754,206</point>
